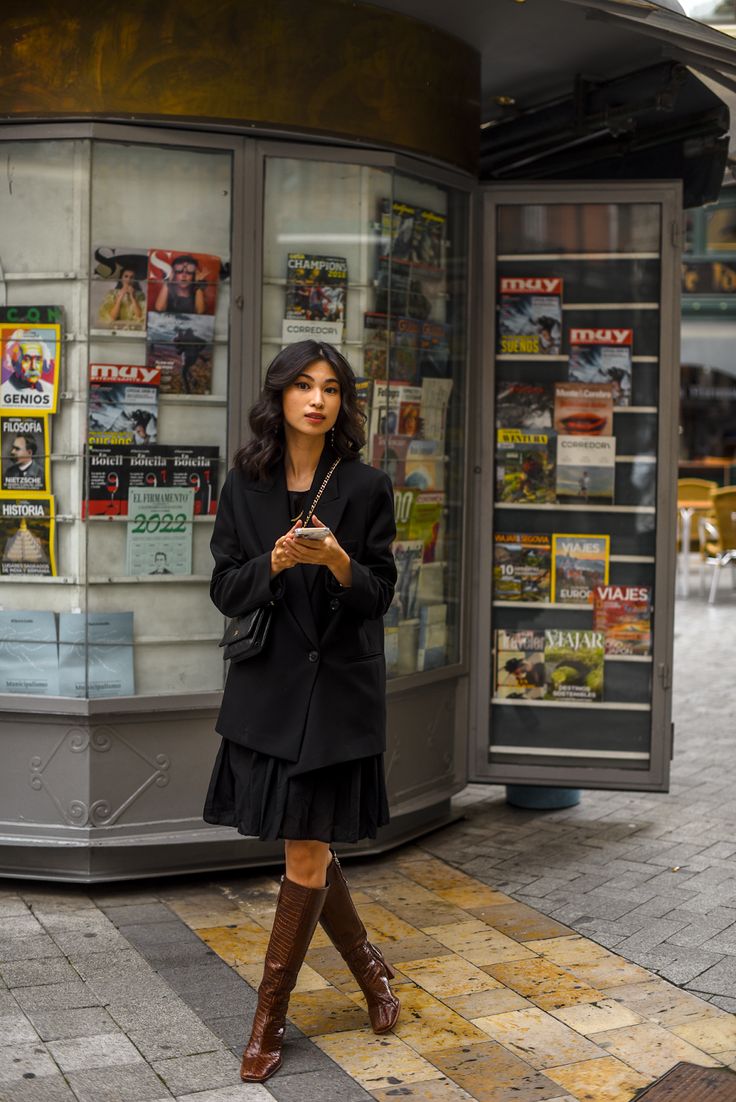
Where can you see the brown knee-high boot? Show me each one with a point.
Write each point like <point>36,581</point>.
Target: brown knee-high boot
<point>297,911</point>
<point>343,926</point>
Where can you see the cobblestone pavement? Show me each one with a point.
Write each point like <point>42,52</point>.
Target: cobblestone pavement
<point>651,876</point>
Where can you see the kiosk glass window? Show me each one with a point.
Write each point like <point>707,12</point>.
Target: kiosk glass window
<point>119,253</point>
<point>577,351</point>
<point>375,261</point>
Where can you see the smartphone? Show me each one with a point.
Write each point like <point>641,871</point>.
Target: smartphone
<point>312,533</point>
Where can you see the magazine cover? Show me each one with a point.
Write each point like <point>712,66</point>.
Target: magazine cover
<point>410,409</point>
<point>25,466</point>
<point>181,346</point>
<point>408,556</point>
<point>525,469</point>
<point>522,565</point>
<point>316,292</point>
<point>425,523</point>
<point>530,316</point>
<point>403,350</point>
<point>119,288</point>
<point>181,282</point>
<point>384,418</point>
<point>375,346</point>
<point>28,536</point>
<point>433,354</point>
<point>401,292</point>
<point>435,401</point>
<point>427,238</point>
<point>432,646</point>
<point>574,663</point>
<point>583,409</point>
<point>586,469</point>
<point>30,354</point>
<point>524,405</point>
<point>29,661</point>
<point>397,229</point>
<point>603,356</point>
<point>520,672</point>
<point>112,470</point>
<point>424,468</point>
<point>123,404</point>
<point>159,530</point>
<point>96,654</point>
<point>624,614</point>
<point>579,564</point>
<point>389,453</point>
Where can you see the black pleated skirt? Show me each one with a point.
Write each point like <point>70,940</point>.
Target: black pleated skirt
<point>263,798</point>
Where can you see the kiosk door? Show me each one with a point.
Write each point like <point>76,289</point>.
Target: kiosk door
<point>577,433</point>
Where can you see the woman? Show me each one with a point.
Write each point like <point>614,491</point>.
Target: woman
<point>303,723</point>
<point>182,293</point>
<point>125,304</point>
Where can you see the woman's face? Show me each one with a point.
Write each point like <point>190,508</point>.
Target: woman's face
<point>127,279</point>
<point>312,402</point>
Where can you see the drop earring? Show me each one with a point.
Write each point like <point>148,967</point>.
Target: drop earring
<point>332,436</point>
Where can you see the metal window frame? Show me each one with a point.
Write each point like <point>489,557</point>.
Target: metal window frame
<point>656,778</point>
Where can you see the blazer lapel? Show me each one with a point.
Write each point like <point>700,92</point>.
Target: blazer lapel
<point>268,503</point>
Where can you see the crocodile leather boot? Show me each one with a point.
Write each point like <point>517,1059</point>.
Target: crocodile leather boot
<point>297,912</point>
<point>343,926</point>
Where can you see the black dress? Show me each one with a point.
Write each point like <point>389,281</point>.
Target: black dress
<point>262,798</point>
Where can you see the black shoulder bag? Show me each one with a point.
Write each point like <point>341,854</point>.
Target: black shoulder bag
<point>246,635</point>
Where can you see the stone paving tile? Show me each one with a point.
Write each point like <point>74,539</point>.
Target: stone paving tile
<point>47,1088</point>
<point>543,983</point>
<point>245,1092</point>
<point>15,1028</point>
<point>31,973</point>
<point>20,1060</point>
<point>128,914</point>
<point>606,1080</point>
<point>187,1074</point>
<point>437,1090</point>
<point>537,1038</point>
<point>316,1086</point>
<point>132,1083</point>
<point>720,979</point>
<point>102,1051</point>
<point>377,1062</point>
<point>490,1073</point>
<point>27,948</point>
<point>85,1022</point>
<point>56,996</point>
<point>650,1049</point>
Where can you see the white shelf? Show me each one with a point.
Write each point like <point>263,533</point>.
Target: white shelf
<point>27,579</point>
<point>582,508</point>
<point>576,607</point>
<point>645,658</point>
<point>30,277</point>
<point>631,558</point>
<point>562,752</point>
<point>577,256</point>
<point>207,519</point>
<point>597,705</point>
<point>652,459</point>
<point>610,306</point>
<point>537,357</point>
<point>158,640</point>
<point>156,579</point>
<point>634,409</point>
<point>349,344</point>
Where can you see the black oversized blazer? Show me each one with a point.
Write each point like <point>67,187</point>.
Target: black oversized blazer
<point>313,697</point>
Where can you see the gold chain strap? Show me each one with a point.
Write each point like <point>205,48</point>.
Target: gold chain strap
<point>320,491</point>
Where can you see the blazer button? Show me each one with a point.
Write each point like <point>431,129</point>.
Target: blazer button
<point>334,604</point>
<point>313,655</point>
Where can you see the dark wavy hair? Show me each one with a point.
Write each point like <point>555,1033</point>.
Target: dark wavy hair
<point>267,446</point>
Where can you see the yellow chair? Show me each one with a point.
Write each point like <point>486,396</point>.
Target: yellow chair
<point>717,537</point>
<point>695,492</point>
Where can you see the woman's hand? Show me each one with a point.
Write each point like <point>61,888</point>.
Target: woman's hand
<point>281,557</point>
<point>325,552</point>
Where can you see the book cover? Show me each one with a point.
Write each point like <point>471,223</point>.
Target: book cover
<point>29,661</point>
<point>524,405</point>
<point>119,288</point>
<point>159,530</point>
<point>583,409</point>
<point>25,464</point>
<point>389,454</point>
<point>408,556</point>
<point>530,316</point>
<point>27,536</point>
<point>574,664</point>
<point>624,614</point>
<point>579,564</point>
<point>181,346</point>
<point>424,468</point>
<point>316,296</point>
<point>123,404</point>
<point>30,357</point>
<point>522,566</point>
<point>433,354</point>
<point>436,395</point>
<point>182,283</point>
<point>96,654</point>
<point>428,238</point>
<point>603,356</point>
<point>519,666</point>
<point>425,523</point>
<point>525,469</point>
<point>432,644</point>
<point>586,469</point>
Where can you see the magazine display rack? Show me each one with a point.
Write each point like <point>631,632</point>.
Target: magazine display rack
<point>375,261</point>
<point>578,563</point>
